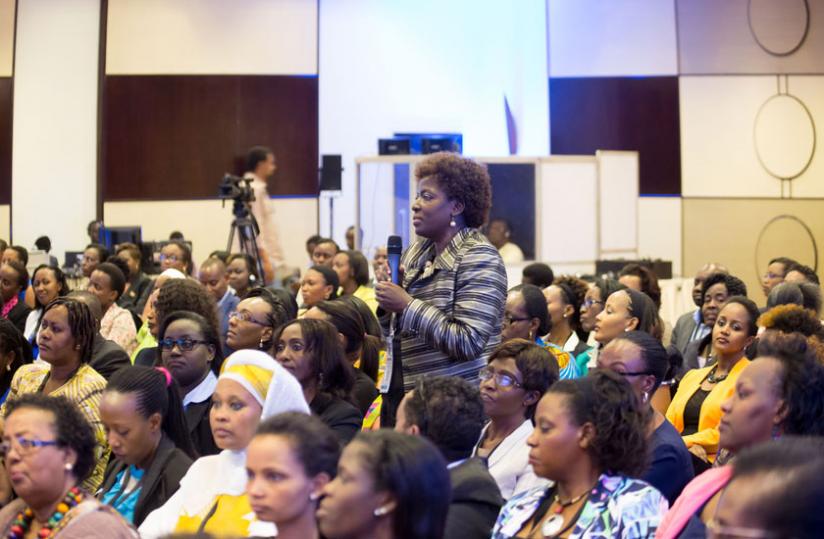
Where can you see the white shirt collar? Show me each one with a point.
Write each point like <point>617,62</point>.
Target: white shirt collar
<point>202,391</point>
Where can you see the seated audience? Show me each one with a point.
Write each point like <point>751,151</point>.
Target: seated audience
<point>695,410</point>
<point>295,450</point>
<point>94,255</point>
<point>780,393</point>
<point>448,412</point>
<point>564,298</point>
<point>792,319</point>
<point>589,440</point>
<point>190,351</point>
<point>691,326</point>
<point>320,283</point>
<point>176,254</point>
<point>147,334</point>
<point>15,351</point>
<point>212,496</point>
<point>179,295</point>
<point>624,310</point>
<point>799,273</point>
<point>66,338</point>
<point>311,351</point>
<point>593,304</point>
<point>353,273</point>
<point>519,372</point>
<point>48,284</point>
<point>242,274</point>
<point>146,430</point>
<point>16,253</point>
<point>49,450</point>
<point>14,279</point>
<point>362,350</point>
<point>538,274</point>
<point>642,279</point>
<point>214,278</point>
<point>388,485</point>
<point>643,362</point>
<point>499,234</point>
<point>785,294</point>
<point>526,317</point>
<point>812,297</point>
<point>107,357</point>
<point>776,271</point>
<point>311,243</point>
<point>139,283</point>
<point>717,289</point>
<point>324,252</point>
<point>775,491</point>
<point>107,282</point>
<point>253,323</point>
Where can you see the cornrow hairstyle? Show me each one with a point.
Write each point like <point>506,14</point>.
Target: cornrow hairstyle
<point>346,319</point>
<point>82,324</point>
<point>606,400</point>
<point>72,430</point>
<point>22,273</point>
<point>277,315</point>
<point>207,327</point>
<point>316,444</point>
<point>117,279</point>
<point>535,304</point>
<point>573,290</point>
<point>335,375</point>
<point>12,341</point>
<point>330,277</point>
<point>58,275</point>
<point>156,392</point>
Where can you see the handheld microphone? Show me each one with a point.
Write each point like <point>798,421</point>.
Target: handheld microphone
<point>394,248</point>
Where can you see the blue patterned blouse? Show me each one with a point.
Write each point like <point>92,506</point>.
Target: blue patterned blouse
<point>618,507</point>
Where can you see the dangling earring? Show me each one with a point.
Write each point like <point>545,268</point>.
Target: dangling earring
<point>380,511</point>
<point>260,344</point>
<point>645,398</point>
<point>313,496</point>
<point>452,222</point>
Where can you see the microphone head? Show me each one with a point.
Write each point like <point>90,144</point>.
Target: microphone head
<point>394,245</point>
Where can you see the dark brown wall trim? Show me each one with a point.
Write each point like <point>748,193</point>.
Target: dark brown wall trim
<point>173,137</point>
<point>101,96</point>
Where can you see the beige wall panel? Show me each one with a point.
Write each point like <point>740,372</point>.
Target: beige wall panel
<point>206,224</point>
<point>810,90</point>
<point>6,37</point>
<point>727,231</point>
<point>659,230</point>
<point>252,37</point>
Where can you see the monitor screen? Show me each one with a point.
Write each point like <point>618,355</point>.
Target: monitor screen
<point>115,235</point>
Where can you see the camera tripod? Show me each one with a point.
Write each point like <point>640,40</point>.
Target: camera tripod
<point>246,228</point>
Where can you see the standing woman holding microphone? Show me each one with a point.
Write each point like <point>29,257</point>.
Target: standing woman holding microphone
<point>450,304</point>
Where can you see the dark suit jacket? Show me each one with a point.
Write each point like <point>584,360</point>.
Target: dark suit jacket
<point>137,287</point>
<point>146,357</point>
<point>682,331</point>
<point>108,357</point>
<point>160,481</point>
<point>476,501</point>
<point>341,416</point>
<point>18,314</point>
<point>197,418</point>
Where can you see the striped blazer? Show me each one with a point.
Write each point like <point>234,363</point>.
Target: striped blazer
<point>454,321</point>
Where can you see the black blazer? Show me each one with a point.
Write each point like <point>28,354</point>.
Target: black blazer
<point>147,357</point>
<point>341,416</point>
<point>197,418</point>
<point>160,481</point>
<point>476,501</point>
<point>365,392</point>
<point>18,314</point>
<point>108,357</point>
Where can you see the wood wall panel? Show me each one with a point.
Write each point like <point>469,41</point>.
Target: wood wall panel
<point>5,139</point>
<point>173,137</point>
<point>630,113</point>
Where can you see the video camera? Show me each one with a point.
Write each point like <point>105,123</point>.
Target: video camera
<point>236,188</point>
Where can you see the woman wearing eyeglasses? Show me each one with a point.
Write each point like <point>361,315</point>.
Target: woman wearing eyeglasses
<point>189,348</point>
<point>147,432</point>
<point>594,301</point>
<point>644,363</point>
<point>526,317</point>
<point>49,449</point>
<point>254,321</point>
<point>518,373</point>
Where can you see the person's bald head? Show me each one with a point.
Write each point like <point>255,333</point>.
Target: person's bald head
<point>91,301</point>
<point>701,276</point>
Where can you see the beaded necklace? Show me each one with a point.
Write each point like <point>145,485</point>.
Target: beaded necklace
<point>22,522</point>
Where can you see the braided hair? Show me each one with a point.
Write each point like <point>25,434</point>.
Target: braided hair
<point>156,392</point>
<point>277,315</point>
<point>82,324</point>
